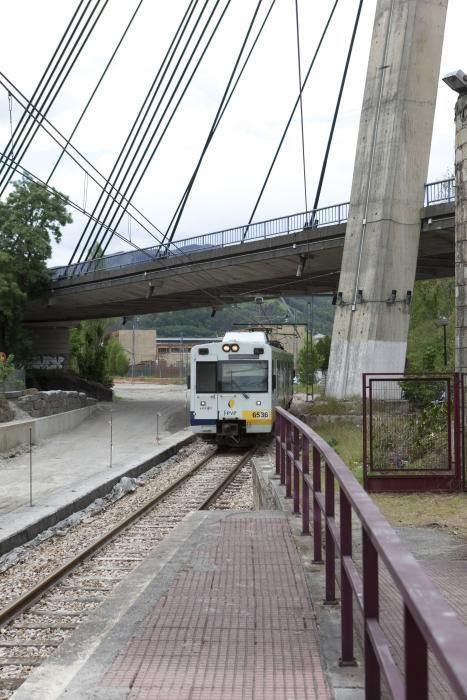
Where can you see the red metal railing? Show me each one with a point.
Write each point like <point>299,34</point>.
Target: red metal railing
<point>429,622</point>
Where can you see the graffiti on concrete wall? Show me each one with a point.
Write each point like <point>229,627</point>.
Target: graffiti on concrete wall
<point>48,362</point>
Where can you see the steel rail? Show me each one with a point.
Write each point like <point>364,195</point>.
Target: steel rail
<point>227,480</point>
<point>18,606</point>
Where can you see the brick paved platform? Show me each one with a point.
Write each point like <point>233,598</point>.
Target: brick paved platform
<point>222,614</point>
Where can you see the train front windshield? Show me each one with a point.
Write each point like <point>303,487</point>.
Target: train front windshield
<point>240,375</point>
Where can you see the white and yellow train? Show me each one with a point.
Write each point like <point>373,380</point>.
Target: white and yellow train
<point>236,385</point>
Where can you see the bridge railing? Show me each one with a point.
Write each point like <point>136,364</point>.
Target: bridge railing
<point>326,216</point>
<point>440,191</point>
<point>435,192</point>
<point>429,622</point>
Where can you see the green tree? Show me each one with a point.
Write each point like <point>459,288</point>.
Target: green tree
<point>30,217</point>
<point>323,348</point>
<point>117,362</point>
<point>7,367</point>
<point>425,350</point>
<point>88,351</point>
<point>308,362</point>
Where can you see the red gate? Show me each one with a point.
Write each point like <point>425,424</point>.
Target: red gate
<point>413,432</point>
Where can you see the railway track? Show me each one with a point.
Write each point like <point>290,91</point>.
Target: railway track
<point>33,625</point>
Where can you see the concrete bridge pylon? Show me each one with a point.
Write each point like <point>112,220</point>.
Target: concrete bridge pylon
<point>381,245</point>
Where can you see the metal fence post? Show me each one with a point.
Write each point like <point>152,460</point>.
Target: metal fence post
<point>305,487</point>
<point>295,471</point>
<point>458,427</point>
<point>416,659</point>
<point>278,443</point>
<point>370,612</point>
<point>288,467</point>
<point>30,466</point>
<point>111,438</point>
<point>347,658</point>
<point>365,428</point>
<point>317,549</point>
<point>283,448</point>
<point>330,555</point>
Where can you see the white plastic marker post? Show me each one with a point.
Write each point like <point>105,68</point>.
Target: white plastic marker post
<point>187,410</point>
<point>111,437</point>
<point>158,415</point>
<point>30,466</point>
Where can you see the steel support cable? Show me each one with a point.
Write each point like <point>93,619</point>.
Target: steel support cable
<point>139,120</point>
<point>8,85</point>
<point>182,253</point>
<point>17,167</point>
<point>10,144</point>
<point>260,31</point>
<point>244,65</point>
<point>98,84</point>
<point>154,258</point>
<point>336,110</point>
<point>289,121</point>
<point>170,118</point>
<point>141,169</point>
<point>232,91</point>
<point>172,227</point>
<point>132,171</point>
<point>57,84</point>
<point>299,60</point>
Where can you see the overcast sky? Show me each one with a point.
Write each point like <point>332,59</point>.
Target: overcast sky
<point>241,151</point>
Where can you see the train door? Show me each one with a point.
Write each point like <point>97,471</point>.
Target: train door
<point>205,395</point>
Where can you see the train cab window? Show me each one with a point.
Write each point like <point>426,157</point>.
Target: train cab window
<point>206,377</point>
<point>243,376</point>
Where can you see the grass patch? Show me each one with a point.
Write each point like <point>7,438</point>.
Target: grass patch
<point>330,406</point>
<point>445,511</point>
<point>346,440</point>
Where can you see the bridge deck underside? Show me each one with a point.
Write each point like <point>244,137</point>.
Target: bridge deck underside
<point>233,274</point>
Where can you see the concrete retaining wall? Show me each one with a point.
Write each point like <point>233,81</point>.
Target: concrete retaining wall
<point>265,495</point>
<point>16,433</point>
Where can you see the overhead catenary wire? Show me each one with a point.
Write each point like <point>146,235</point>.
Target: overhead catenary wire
<point>289,121</point>
<point>140,170</point>
<point>57,82</point>
<point>137,125</point>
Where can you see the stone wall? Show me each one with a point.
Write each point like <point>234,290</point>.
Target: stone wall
<point>47,403</point>
<point>6,412</point>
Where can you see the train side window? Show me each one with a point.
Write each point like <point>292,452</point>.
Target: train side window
<point>206,377</point>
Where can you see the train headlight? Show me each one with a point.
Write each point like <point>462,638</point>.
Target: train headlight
<point>226,348</point>
<point>235,347</point>
<point>258,403</point>
<point>202,403</point>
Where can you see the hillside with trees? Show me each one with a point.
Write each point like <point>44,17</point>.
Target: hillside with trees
<point>200,323</point>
